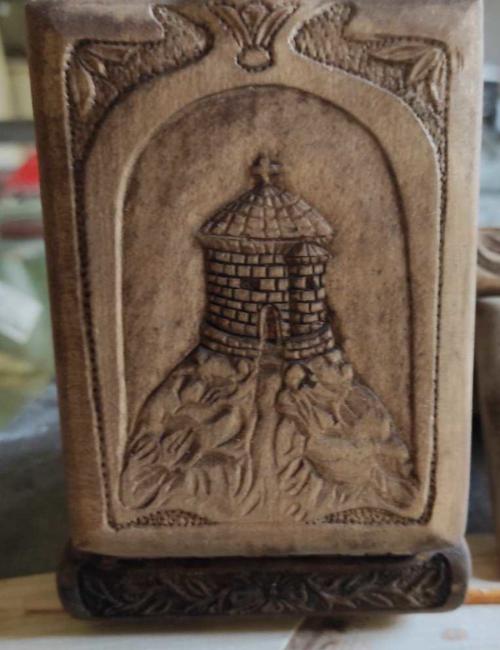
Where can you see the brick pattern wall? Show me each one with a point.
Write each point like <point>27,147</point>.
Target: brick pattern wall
<point>218,341</point>
<point>312,346</point>
<point>240,285</point>
<point>320,343</point>
<point>307,296</point>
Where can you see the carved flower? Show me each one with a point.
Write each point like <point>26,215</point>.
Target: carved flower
<point>253,26</point>
<point>268,594</point>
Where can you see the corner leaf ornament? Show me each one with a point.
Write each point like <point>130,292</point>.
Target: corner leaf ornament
<point>92,61</point>
<point>427,65</point>
<point>253,26</point>
<point>99,72</point>
<point>415,69</point>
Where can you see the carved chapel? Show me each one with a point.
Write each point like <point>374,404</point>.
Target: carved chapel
<point>265,265</point>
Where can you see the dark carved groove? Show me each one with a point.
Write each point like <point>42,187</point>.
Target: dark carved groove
<point>104,587</point>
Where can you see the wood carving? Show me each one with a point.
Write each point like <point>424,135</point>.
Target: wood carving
<point>267,367</point>
<point>424,586</point>
<point>415,69</point>
<point>266,381</point>
<point>99,73</point>
<point>253,26</point>
<point>123,588</point>
<point>391,479</point>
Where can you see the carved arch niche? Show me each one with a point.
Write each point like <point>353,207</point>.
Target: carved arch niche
<point>169,172</point>
<point>187,172</point>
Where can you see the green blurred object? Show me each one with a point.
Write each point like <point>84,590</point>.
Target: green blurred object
<point>12,26</point>
<point>26,356</point>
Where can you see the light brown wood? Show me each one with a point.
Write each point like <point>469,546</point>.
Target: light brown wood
<point>261,241</point>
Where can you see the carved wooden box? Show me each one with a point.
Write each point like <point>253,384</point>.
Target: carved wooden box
<point>260,230</point>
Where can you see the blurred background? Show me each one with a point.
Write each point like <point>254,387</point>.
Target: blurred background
<point>32,509</point>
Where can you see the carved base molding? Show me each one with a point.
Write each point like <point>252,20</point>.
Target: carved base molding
<point>97,586</point>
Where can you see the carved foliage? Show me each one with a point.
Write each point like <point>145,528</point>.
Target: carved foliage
<point>123,590</point>
<point>99,73</point>
<point>253,26</point>
<point>414,69</point>
<point>427,67</point>
<point>92,68</point>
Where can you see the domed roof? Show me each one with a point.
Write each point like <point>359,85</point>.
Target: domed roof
<point>307,249</point>
<point>268,212</point>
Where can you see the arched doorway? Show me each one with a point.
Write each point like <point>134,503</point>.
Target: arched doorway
<point>270,326</point>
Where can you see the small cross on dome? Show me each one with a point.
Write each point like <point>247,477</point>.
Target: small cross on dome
<point>264,168</point>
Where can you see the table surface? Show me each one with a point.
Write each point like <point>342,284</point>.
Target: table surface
<point>31,618</point>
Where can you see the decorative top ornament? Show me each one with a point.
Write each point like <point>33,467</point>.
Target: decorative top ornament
<point>253,26</point>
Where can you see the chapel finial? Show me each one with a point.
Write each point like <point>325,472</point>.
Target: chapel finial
<point>264,168</point>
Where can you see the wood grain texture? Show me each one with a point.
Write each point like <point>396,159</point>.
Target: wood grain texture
<point>261,253</point>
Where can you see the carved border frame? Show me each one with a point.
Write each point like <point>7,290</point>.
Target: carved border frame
<point>96,74</point>
<point>93,586</point>
<point>96,77</point>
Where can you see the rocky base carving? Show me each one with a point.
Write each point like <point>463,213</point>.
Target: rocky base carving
<point>259,440</point>
<point>94,586</point>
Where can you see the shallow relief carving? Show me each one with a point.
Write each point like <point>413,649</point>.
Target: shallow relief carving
<point>253,26</point>
<point>165,469</point>
<point>99,73</point>
<point>265,419</point>
<point>414,69</point>
<point>124,588</point>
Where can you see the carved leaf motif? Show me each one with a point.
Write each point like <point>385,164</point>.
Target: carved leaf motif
<point>401,53</point>
<point>120,53</point>
<point>429,65</point>
<point>228,15</point>
<point>423,66</point>
<point>390,62</point>
<point>426,60</point>
<point>253,26</point>
<point>115,594</point>
<point>272,24</point>
<point>92,64</point>
<point>83,89</point>
<point>437,80</point>
<point>100,71</point>
<point>254,14</point>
